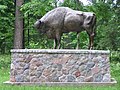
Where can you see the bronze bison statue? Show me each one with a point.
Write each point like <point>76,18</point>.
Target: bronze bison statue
<point>64,20</point>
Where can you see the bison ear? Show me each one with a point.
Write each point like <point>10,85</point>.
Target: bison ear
<point>41,23</point>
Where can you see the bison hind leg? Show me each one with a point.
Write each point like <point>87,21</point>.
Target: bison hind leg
<point>57,41</point>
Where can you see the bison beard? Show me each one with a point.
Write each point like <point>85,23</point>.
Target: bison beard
<point>64,20</point>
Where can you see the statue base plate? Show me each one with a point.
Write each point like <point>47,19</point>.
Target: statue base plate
<point>113,82</point>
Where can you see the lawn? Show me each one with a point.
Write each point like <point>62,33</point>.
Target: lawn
<point>5,69</point>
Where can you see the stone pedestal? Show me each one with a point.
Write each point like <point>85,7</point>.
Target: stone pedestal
<point>59,66</point>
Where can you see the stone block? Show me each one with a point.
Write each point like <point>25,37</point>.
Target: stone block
<point>53,65</point>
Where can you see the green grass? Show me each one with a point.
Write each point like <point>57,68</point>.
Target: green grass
<point>4,76</point>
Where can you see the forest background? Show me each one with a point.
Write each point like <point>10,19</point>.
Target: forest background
<point>107,27</point>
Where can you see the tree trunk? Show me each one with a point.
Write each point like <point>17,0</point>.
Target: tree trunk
<point>19,29</point>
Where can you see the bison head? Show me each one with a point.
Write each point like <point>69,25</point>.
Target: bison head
<point>40,26</point>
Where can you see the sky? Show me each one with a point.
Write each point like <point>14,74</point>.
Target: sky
<point>85,2</point>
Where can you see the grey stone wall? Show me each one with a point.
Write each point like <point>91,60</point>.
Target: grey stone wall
<point>43,65</point>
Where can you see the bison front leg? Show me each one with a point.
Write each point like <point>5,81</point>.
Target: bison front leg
<point>57,41</point>
<point>78,41</point>
<point>57,44</point>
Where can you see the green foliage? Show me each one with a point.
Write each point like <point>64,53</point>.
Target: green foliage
<point>74,4</point>
<point>2,7</point>
<point>6,24</point>
<point>115,68</point>
<point>4,61</point>
<point>37,7</point>
<point>115,56</point>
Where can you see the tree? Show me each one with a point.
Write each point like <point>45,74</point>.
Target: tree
<point>19,29</point>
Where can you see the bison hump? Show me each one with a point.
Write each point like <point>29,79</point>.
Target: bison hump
<point>54,17</point>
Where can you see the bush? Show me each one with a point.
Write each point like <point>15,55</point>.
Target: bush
<point>5,61</point>
<point>115,56</point>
